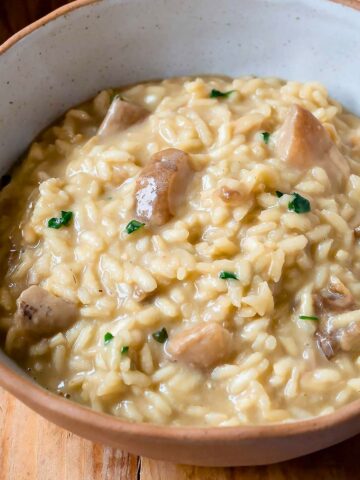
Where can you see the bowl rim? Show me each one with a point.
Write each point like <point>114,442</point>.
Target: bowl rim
<point>77,4</point>
<point>49,404</point>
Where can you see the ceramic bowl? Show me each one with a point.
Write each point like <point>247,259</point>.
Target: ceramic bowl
<point>69,55</point>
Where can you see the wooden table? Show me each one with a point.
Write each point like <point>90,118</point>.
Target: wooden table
<point>33,449</point>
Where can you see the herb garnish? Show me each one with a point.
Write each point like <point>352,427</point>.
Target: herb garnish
<point>226,275</point>
<point>57,222</point>
<point>266,137</point>
<point>279,194</point>
<point>161,335</point>
<point>216,93</point>
<point>108,337</point>
<point>299,204</point>
<point>133,226</point>
<point>116,96</point>
<point>306,317</point>
<point>124,350</point>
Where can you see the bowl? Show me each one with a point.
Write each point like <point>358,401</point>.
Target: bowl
<point>69,55</point>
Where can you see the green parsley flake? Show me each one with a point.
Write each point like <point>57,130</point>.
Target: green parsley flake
<point>266,137</point>
<point>57,222</point>
<point>124,350</point>
<point>216,93</point>
<point>299,204</point>
<point>161,335</point>
<point>133,226</point>
<point>279,194</point>
<point>116,96</point>
<point>306,317</point>
<point>108,337</point>
<point>226,275</point>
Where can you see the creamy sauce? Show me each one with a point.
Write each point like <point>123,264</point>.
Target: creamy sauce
<point>175,275</point>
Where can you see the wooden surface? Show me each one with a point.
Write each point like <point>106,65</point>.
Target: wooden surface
<point>33,449</point>
<point>16,14</point>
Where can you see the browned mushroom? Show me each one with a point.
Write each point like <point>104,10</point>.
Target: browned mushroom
<point>333,300</point>
<point>120,116</point>
<point>357,232</point>
<point>161,186</point>
<point>42,314</point>
<point>304,143</point>
<point>202,346</point>
<point>345,339</point>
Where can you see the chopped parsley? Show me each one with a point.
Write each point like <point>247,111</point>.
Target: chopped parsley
<point>108,337</point>
<point>279,194</point>
<point>133,226</point>
<point>306,317</point>
<point>124,350</point>
<point>115,96</point>
<point>216,93</point>
<point>161,335</point>
<point>57,222</point>
<point>226,275</point>
<point>266,137</point>
<point>299,204</point>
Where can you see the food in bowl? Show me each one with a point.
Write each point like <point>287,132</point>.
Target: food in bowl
<point>186,252</point>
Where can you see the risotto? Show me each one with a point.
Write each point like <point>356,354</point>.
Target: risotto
<point>186,252</point>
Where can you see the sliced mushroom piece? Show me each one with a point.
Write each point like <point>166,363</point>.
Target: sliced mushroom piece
<point>161,186</point>
<point>345,339</point>
<point>327,343</point>
<point>202,346</point>
<point>304,143</point>
<point>121,115</point>
<point>42,314</point>
<point>333,300</point>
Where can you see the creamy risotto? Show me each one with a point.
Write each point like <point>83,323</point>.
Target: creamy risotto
<point>186,252</point>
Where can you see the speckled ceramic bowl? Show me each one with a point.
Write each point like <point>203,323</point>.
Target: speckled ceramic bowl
<point>69,55</point>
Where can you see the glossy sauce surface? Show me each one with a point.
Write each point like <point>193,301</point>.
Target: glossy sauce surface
<point>227,259</point>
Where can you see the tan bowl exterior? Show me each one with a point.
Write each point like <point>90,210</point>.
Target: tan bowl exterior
<point>214,446</point>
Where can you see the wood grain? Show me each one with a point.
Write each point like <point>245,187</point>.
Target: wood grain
<point>336,463</point>
<point>16,14</point>
<point>31,448</point>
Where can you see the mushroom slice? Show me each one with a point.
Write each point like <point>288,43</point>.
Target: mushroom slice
<point>120,116</point>
<point>203,345</point>
<point>327,343</point>
<point>345,339</point>
<point>336,298</point>
<point>161,186</point>
<point>333,300</point>
<point>304,143</point>
<point>42,314</point>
